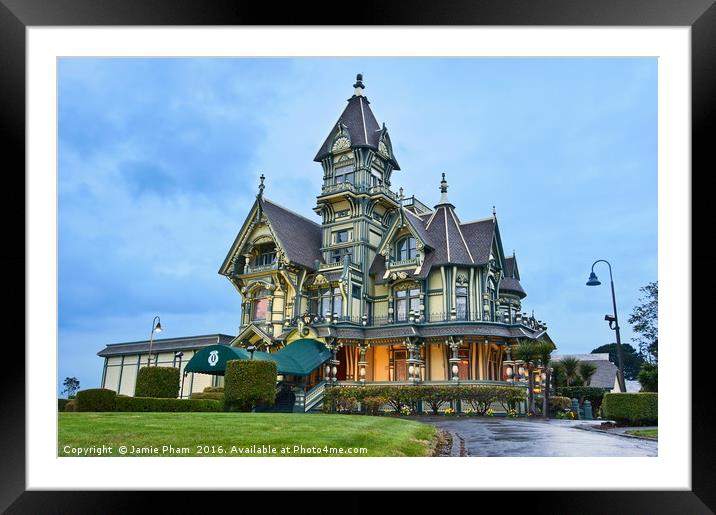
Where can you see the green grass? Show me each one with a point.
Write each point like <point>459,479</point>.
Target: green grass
<point>649,433</point>
<point>236,433</point>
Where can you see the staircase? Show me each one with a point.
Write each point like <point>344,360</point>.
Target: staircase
<point>314,398</point>
<point>284,401</point>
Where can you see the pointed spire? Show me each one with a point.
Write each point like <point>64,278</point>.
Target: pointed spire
<point>261,186</point>
<point>359,86</point>
<point>494,214</point>
<point>443,192</point>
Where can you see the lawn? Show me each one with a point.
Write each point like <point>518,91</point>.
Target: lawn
<point>241,434</point>
<point>649,433</point>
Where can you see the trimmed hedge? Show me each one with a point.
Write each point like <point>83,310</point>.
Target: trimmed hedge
<point>155,404</point>
<point>96,399</point>
<point>632,408</point>
<point>248,384</point>
<point>590,393</point>
<point>217,396</point>
<point>479,397</point>
<point>214,389</point>
<point>61,403</point>
<point>71,405</point>
<point>159,382</point>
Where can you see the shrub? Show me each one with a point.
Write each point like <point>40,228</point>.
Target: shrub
<point>96,399</point>
<point>649,377</point>
<point>632,408</point>
<point>249,383</point>
<point>154,404</point>
<point>214,389</point>
<point>590,393</point>
<point>373,404</point>
<point>71,405</point>
<point>557,403</point>
<point>436,396</point>
<point>160,382</point>
<point>61,403</point>
<point>480,398</point>
<point>217,396</point>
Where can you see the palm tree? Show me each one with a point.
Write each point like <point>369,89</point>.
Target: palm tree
<point>544,352</point>
<point>570,366</point>
<point>587,370</point>
<point>527,351</point>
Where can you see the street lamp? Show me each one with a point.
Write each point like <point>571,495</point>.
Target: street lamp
<point>156,328</point>
<point>612,319</point>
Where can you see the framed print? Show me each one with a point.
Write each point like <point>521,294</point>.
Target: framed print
<point>364,249</point>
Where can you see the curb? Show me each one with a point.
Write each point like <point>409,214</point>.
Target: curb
<point>608,432</point>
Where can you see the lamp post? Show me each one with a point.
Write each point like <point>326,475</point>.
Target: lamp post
<point>613,320</point>
<point>156,328</point>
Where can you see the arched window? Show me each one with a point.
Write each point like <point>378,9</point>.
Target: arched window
<point>405,248</point>
<point>461,302</point>
<point>259,305</point>
<point>407,299</point>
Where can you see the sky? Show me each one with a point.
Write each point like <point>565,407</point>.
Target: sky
<point>158,165</point>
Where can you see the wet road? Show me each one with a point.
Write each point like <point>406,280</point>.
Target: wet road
<point>486,436</point>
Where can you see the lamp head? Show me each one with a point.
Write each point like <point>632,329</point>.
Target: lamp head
<point>593,281</point>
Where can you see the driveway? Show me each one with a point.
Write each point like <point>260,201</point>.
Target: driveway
<point>488,436</point>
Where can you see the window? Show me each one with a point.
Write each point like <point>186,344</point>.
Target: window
<point>337,255</point>
<point>331,302</point>
<point>407,299</point>
<point>355,291</point>
<point>376,177</point>
<point>344,174</point>
<point>492,294</point>
<point>405,249</point>
<point>463,366</point>
<point>266,255</point>
<point>461,304</point>
<point>259,305</point>
<point>342,236</point>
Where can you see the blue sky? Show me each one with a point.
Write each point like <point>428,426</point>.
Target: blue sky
<point>159,159</point>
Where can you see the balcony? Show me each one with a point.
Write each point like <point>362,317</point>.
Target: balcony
<point>254,269</point>
<point>337,188</point>
<point>435,318</point>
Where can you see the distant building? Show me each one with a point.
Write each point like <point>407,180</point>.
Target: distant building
<point>606,374</point>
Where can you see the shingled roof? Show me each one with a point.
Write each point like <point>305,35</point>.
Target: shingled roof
<point>165,345</point>
<point>511,282</point>
<point>606,370</point>
<point>359,122</point>
<point>299,236</point>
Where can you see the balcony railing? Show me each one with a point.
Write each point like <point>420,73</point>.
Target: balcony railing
<point>431,318</point>
<point>252,269</point>
<point>341,186</point>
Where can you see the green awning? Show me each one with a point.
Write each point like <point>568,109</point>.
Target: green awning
<point>299,358</point>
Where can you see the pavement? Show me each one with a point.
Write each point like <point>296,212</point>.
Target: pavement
<point>520,437</point>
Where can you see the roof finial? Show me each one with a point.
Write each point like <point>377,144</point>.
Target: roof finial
<point>400,191</point>
<point>359,87</point>
<point>261,186</point>
<point>443,192</point>
<point>494,213</point>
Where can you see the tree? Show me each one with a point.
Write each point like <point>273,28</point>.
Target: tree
<point>632,359</point>
<point>527,351</point>
<point>586,371</point>
<point>644,320</point>
<point>649,377</point>
<point>570,366</point>
<point>71,384</point>
<point>544,352</point>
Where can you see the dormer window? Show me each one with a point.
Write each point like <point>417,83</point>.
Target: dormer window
<point>405,249</point>
<point>265,255</point>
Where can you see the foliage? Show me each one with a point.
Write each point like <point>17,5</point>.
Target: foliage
<point>72,385</point>
<point>490,412</point>
<point>61,403</point>
<point>214,389</point>
<point>649,377</point>
<point>96,399</point>
<point>156,404</point>
<point>217,396</point>
<point>373,404</point>
<point>249,383</point>
<point>71,405</point>
<point>557,403</point>
<point>525,351</point>
<point>449,411</point>
<point>478,397</point>
<point>160,382</point>
<point>586,371</point>
<point>568,415</point>
<point>570,367</point>
<point>590,393</point>
<point>632,408</point>
<point>405,410</point>
<point>632,359</point>
<point>645,322</point>
<point>543,351</point>
<point>512,413</point>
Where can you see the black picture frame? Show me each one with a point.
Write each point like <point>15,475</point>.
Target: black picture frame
<point>17,15</point>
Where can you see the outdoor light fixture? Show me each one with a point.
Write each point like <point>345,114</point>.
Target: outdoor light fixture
<point>411,370</point>
<point>279,378</point>
<point>156,328</point>
<point>455,370</point>
<point>509,371</point>
<point>612,319</point>
<point>522,371</point>
<point>251,349</point>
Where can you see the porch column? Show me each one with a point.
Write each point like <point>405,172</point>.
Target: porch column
<point>362,362</point>
<point>413,362</point>
<point>454,360</point>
